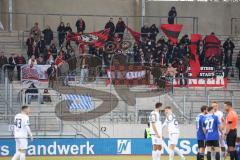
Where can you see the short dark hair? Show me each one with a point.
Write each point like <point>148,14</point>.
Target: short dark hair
<point>168,107</point>
<point>24,107</point>
<point>158,105</point>
<point>203,108</point>
<point>228,103</point>
<point>210,108</point>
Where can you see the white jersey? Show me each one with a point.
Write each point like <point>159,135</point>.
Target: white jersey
<point>21,121</point>
<point>171,123</point>
<point>155,118</point>
<point>219,114</point>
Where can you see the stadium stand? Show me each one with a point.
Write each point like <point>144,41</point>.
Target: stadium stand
<point>134,108</point>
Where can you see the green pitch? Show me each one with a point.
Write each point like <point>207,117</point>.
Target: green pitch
<point>97,158</point>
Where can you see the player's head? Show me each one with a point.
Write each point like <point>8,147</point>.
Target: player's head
<point>158,106</point>
<point>168,109</point>
<point>204,109</point>
<point>25,110</point>
<point>215,105</point>
<point>227,106</point>
<point>148,124</point>
<point>210,110</point>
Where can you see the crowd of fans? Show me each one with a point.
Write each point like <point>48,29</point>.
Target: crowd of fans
<point>42,48</point>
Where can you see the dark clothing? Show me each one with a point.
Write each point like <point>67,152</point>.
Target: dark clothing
<point>228,47</point>
<point>238,65</point>
<point>80,24</point>
<point>144,32</point>
<point>48,36</point>
<point>111,26</point>
<point>67,56</point>
<point>68,29</point>
<point>10,68</point>
<point>52,72</point>
<point>171,16</point>
<point>3,60</point>
<point>201,144</point>
<point>30,47</point>
<point>53,51</point>
<point>20,61</point>
<point>231,138</point>
<point>12,62</point>
<point>212,143</point>
<point>41,49</point>
<point>120,28</point>
<point>61,34</point>
<point>153,32</point>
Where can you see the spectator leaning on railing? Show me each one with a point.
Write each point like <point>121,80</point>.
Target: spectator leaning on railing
<point>32,61</point>
<point>31,93</point>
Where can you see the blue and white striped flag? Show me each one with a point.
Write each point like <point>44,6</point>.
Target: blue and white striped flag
<point>79,102</point>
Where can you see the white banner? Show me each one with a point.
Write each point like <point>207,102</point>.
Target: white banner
<point>35,74</point>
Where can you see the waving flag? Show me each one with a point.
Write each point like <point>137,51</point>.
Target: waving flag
<point>79,102</point>
<point>212,46</point>
<point>172,31</point>
<point>97,38</point>
<point>136,35</point>
<point>194,58</point>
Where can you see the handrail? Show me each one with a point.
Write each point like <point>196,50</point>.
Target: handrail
<point>96,15</point>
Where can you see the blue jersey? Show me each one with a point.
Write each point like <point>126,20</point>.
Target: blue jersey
<point>199,125</point>
<point>211,124</point>
<point>238,150</point>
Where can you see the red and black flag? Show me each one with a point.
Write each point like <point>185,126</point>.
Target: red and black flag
<point>194,57</point>
<point>136,35</point>
<point>97,38</point>
<point>212,46</point>
<point>172,31</point>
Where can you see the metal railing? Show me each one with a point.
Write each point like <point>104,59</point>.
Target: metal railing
<point>93,22</point>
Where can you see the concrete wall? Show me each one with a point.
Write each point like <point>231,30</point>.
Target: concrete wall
<point>73,7</point>
<point>212,16</point>
<point>3,8</point>
<point>137,130</point>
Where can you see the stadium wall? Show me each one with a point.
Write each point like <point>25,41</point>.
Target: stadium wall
<point>137,130</point>
<point>212,16</point>
<point>75,7</point>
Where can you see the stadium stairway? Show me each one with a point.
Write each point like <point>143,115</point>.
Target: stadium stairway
<point>11,42</point>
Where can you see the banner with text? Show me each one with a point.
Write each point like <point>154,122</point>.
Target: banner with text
<point>208,77</point>
<point>35,73</point>
<point>80,146</point>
